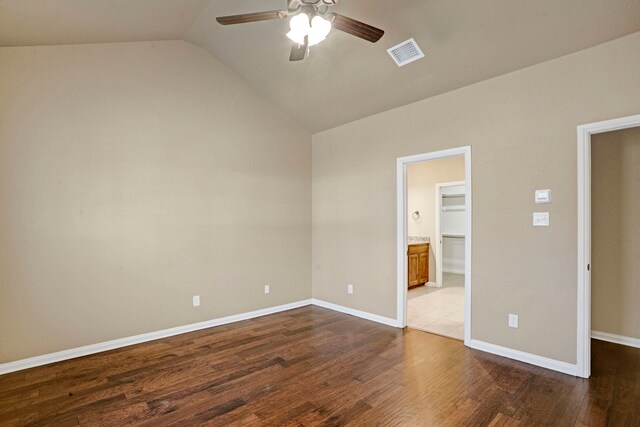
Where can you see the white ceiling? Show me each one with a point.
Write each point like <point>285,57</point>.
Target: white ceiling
<point>345,78</point>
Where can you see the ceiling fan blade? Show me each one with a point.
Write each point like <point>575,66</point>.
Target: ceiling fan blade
<point>299,51</point>
<point>355,28</point>
<point>252,17</point>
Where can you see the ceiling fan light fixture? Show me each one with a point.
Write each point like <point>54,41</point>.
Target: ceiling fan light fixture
<point>321,25</point>
<point>300,27</point>
<point>315,39</point>
<point>320,29</point>
<point>306,31</point>
<point>317,29</point>
<point>296,37</point>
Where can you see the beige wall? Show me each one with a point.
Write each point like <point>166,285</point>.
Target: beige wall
<point>421,196</point>
<point>615,228</point>
<point>522,129</point>
<point>132,177</point>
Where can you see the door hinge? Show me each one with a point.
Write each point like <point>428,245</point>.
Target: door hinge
<point>588,267</point>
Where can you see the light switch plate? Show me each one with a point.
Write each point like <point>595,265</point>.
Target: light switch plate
<point>541,219</point>
<point>543,196</point>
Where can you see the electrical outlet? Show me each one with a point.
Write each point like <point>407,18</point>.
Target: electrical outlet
<point>267,289</point>
<point>513,321</point>
<point>349,288</point>
<point>196,300</point>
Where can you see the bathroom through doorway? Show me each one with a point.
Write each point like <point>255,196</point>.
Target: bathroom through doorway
<point>436,245</point>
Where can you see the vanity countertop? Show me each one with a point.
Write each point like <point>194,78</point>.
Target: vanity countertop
<point>417,240</point>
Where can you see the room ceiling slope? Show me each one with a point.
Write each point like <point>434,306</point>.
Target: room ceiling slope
<point>345,78</point>
<point>465,42</point>
<point>51,22</point>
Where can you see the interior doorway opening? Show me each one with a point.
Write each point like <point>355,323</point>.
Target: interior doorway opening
<point>434,242</point>
<point>585,329</point>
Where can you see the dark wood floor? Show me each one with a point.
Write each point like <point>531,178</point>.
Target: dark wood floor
<point>313,366</point>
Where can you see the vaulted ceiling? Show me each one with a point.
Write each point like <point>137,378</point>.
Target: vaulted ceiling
<point>345,78</point>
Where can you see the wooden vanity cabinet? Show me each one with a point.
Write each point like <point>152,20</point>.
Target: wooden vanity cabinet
<point>418,264</point>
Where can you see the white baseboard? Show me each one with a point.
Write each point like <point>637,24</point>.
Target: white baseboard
<point>432,285</point>
<point>357,313</point>
<point>59,356</point>
<point>616,339</point>
<point>532,359</point>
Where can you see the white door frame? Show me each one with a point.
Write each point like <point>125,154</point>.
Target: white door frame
<point>583,352</point>
<point>401,232</point>
<point>438,244</point>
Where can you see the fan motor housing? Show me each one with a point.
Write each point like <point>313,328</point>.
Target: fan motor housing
<point>293,5</point>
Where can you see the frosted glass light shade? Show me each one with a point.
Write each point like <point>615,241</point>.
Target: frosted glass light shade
<point>317,29</point>
<point>296,37</point>
<point>300,27</point>
<point>320,28</point>
<point>320,25</point>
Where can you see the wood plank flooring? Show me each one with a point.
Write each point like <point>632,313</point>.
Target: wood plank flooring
<point>316,367</point>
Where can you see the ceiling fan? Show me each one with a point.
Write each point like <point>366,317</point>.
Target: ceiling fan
<point>310,24</point>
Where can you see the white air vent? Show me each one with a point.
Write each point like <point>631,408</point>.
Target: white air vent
<point>406,52</point>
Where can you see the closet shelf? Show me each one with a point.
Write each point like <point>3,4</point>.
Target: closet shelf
<point>451,208</point>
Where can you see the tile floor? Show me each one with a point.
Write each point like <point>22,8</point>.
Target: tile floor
<point>438,310</point>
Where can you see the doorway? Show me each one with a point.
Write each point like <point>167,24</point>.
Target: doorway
<point>584,321</point>
<point>407,216</point>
